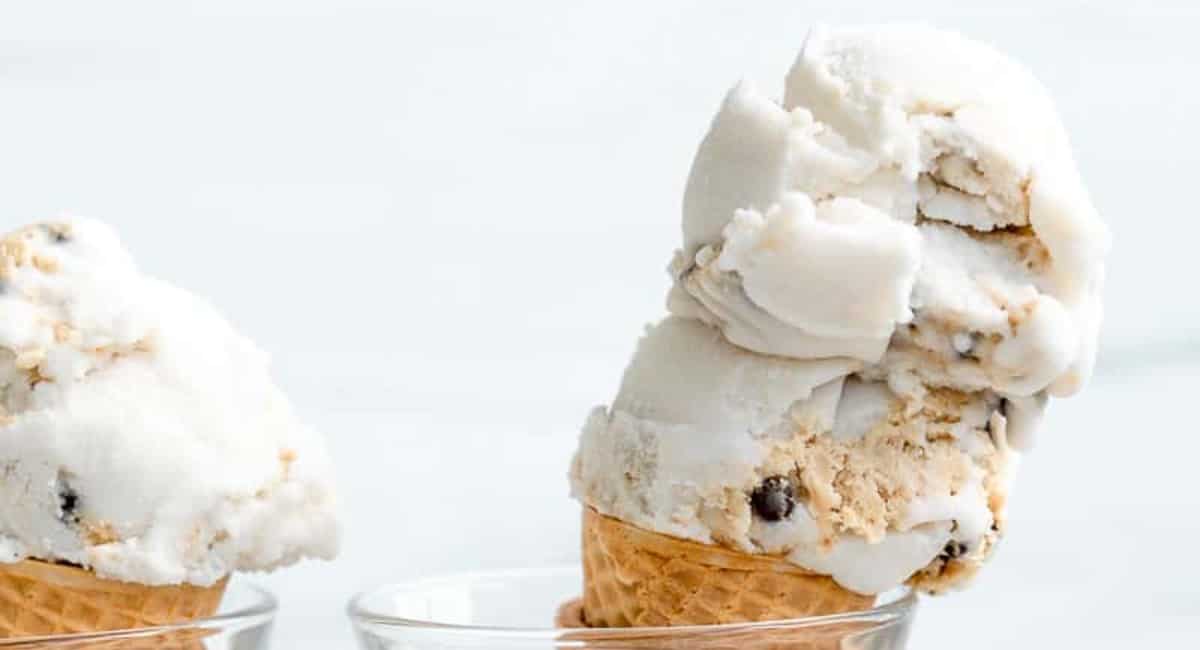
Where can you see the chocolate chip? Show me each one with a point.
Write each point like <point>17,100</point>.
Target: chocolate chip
<point>68,503</point>
<point>953,550</point>
<point>57,234</point>
<point>774,499</point>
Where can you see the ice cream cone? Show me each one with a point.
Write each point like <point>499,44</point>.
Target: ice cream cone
<point>637,578</point>
<point>40,598</point>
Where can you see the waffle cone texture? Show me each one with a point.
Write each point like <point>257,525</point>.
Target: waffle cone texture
<point>638,578</point>
<point>41,599</point>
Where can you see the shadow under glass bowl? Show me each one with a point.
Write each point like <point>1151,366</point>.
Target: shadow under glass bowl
<point>243,622</point>
<point>516,610</point>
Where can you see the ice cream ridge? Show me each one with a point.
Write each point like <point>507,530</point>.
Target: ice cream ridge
<point>883,278</point>
<point>145,452</point>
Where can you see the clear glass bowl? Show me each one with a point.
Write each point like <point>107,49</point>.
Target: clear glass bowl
<point>516,610</point>
<point>243,622</point>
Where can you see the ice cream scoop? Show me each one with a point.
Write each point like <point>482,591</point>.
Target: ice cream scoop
<point>883,277</point>
<point>142,438</point>
<point>913,195</point>
<point>806,459</point>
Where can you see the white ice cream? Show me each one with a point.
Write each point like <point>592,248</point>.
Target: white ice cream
<point>883,277</point>
<point>140,435</point>
<point>989,232</point>
<point>699,423</point>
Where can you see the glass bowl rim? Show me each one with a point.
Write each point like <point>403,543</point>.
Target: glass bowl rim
<point>264,606</point>
<point>896,608</point>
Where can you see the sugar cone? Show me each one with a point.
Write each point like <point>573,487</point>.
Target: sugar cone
<point>637,578</point>
<point>40,599</point>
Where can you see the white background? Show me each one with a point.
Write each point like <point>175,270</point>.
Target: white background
<point>448,221</point>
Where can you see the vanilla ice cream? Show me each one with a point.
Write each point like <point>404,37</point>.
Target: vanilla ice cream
<point>140,435</point>
<point>884,275</point>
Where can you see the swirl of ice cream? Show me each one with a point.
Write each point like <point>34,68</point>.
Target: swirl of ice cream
<point>882,280</point>
<point>140,435</point>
